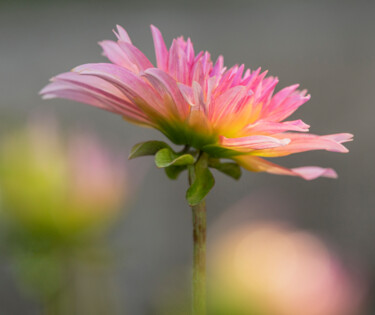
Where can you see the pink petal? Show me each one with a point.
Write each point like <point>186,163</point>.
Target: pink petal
<point>260,79</point>
<point>268,87</point>
<point>197,72</point>
<point>226,103</point>
<point>340,137</point>
<point>177,63</point>
<point>187,93</point>
<point>307,142</point>
<point>247,144</point>
<point>281,96</point>
<point>86,98</point>
<point>256,164</point>
<point>135,56</point>
<point>193,96</point>
<point>54,90</point>
<point>245,76</point>
<point>93,83</point>
<point>207,64</point>
<point>218,68</point>
<point>117,55</point>
<point>166,85</point>
<point>129,83</point>
<point>312,172</point>
<point>285,103</point>
<point>238,76</point>
<point>189,52</point>
<point>198,95</point>
<point>252,77</point>
<point>161,50</point>
<point>99,88</point>
<point>211,84</point>
<point>122,35</point>
<point>93,91</point>
<point>271,127</point>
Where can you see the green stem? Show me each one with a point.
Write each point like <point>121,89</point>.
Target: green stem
<point>62,302</point>
<point>51,306</point>
<point>199,259</point>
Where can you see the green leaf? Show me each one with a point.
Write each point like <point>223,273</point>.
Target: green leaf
<point>147,148</point>
<point>229,168</point>
<point>201,186</point>
<point>201,181</point>
<point>166,157</point>
<point>174,171</point>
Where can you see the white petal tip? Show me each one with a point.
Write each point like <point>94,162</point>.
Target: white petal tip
<point>47,96</point>
<point>285,141</point>
<point>313,172</point>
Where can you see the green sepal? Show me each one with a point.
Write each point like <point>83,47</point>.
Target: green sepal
<point>174,171</point>
<point>147,148</point>
<point>201,180</point>
<point>166,157</point>
<point>229,168</point>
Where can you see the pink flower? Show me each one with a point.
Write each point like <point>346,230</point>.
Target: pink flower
<point>228,113</point>
<point>277,269</point>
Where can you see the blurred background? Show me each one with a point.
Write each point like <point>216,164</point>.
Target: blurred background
<point>326,46</point>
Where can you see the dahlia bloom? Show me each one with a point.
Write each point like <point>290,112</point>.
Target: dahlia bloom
<point>227,113</point>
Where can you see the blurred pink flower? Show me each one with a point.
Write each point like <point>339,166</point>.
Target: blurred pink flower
<point>231,113</point>
<point>97,176</point>
<point>278,270</point>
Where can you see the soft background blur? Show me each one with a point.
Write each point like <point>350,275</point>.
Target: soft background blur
<point>327,46</point>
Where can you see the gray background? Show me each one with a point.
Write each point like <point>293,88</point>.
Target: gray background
<point>327,46</point>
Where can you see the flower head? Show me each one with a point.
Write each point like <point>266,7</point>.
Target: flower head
<point>231,113</point>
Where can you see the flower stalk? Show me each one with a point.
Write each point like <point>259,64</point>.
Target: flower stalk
<point>199,239</point>
<point>199,260</point>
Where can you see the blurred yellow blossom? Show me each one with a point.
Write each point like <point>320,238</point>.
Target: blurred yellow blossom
<point>58,187</point>
<point>58,196</point>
